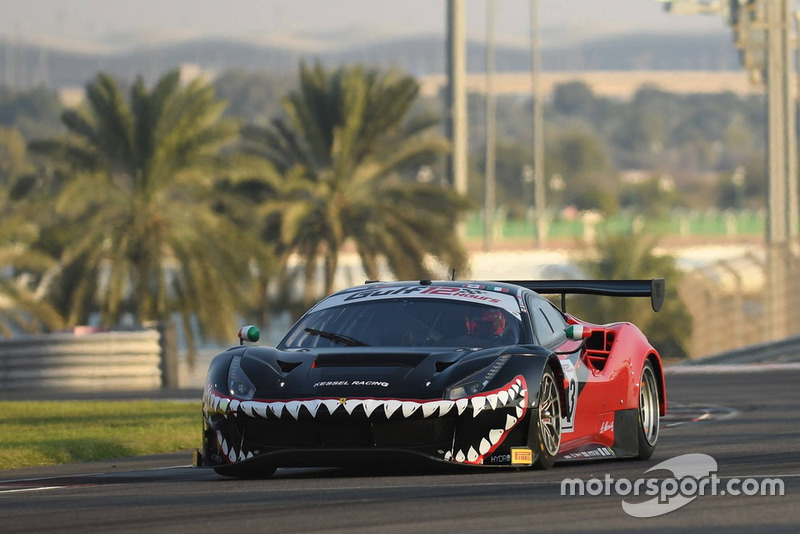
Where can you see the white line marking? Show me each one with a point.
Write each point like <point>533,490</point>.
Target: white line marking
<point>99,474</point>
<point>48,478</point>
<point>418,486</point>
<point>20,490</point>
<point>730,368</point>
<point>480,484</point>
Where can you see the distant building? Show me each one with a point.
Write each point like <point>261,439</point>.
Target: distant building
<point>614,84</point>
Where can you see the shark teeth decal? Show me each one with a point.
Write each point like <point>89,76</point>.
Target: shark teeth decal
<point>513,396</point>
<point>330,404</point>
<point>370,405</point>
<point>391,406</point>
<point>429,408</point>
<point>351,404</point>
<point>248,407</point>
<point>477,405</point>
<point>502,397</point>
<point>277,408</point>
<point>261,410</point>
<point>292,408</point>
<point>409,408</point>
<point>313,407</point>
<point>510,422</point>
<point>229,452</point>
<point>444,407</point>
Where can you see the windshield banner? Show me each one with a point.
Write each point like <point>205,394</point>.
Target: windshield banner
<point>478,293</point>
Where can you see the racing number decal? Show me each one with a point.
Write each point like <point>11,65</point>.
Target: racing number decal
<point>568,419</point>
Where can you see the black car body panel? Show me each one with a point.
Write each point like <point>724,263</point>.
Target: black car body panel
<point>344,386</point>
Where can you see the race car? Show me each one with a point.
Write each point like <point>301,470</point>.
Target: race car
<point>456,372</point>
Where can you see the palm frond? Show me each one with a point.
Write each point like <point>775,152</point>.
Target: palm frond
<point>136,225</point>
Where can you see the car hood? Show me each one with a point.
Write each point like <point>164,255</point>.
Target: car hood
<point>411,373</point>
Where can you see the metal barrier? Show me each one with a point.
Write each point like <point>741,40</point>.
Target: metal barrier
<point>733,303</point>
<point>99,361</point>
<point>784,350</point>
<point>740,302</point>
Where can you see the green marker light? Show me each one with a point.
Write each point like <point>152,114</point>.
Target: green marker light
<point>249,333</point>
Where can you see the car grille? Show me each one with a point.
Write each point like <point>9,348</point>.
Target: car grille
<point>344,433</point>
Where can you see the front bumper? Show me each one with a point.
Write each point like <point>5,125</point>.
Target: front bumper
<point>477,430</point>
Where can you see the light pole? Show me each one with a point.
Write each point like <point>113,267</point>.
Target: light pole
<point>763,28</point>
<point>489,189</point>
<point>781,147</point>
<point>456,96</point>
<point>456,102</point>
<point>538,130</point>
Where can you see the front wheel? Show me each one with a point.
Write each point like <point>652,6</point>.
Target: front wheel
<point>649,412</point>
<point>547,422</point>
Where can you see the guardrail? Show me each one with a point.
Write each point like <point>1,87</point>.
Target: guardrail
<point>142,360</point>
<point>94,362</point>
<point>772,351</point>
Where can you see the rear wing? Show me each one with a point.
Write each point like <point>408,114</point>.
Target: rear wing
<point>654,288</point>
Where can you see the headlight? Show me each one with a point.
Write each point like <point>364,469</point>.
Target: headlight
<point>476,382</point>
<point>238,383</point>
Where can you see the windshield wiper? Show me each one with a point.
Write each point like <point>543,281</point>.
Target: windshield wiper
<point>341,339</point>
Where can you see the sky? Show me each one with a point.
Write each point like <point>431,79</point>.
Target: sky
<point>124,22</point>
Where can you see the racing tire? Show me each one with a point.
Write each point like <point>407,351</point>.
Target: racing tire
<point>648,413</point>
<point>546,421</point>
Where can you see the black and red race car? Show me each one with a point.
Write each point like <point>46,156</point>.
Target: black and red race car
<point>460,372</point>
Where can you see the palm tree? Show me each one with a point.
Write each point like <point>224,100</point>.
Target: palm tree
<point>22,307</point>
<point>133,216</point>
<point>342,150</point>
<point>631,257</point>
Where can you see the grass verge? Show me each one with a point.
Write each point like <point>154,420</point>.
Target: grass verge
<point>45,433</point>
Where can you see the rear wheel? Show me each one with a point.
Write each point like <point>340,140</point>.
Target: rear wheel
<point>649,412</point>
<point>547,422</point>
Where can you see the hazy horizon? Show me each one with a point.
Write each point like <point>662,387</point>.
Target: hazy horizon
<point>339,22</point>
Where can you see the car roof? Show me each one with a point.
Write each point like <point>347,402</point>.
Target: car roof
<point>503,295</point>
<point>480,285</point>
<point>504,287</point>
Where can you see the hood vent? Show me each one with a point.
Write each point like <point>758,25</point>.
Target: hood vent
<point>380,359</point>
<point>287,367</point>
<point>441,366</point>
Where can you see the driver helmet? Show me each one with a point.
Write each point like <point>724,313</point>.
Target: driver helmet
<point>487,322</point>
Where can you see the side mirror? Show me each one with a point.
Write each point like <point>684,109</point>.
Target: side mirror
<point>577,332</point>
<point>249,333</point>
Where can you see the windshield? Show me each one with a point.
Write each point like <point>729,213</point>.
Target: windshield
<point>406,322</point>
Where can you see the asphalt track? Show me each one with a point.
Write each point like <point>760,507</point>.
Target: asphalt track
<point>749,422</point>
